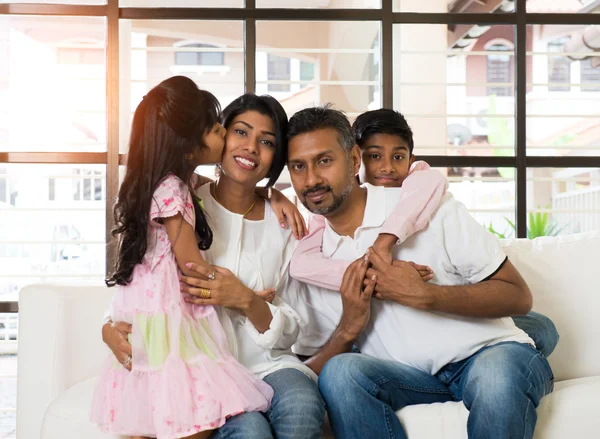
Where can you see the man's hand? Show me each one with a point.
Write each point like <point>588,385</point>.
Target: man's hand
<point>400,282</point>
<point>356,299</point>
<point>115,335</point>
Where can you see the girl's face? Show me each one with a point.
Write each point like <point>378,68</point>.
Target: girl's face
<point>249,147</point>
<point>215,141</point>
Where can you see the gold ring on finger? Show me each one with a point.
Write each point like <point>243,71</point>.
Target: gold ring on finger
<point>204,293</point>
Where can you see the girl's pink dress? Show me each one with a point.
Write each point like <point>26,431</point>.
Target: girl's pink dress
<point>184,380</point>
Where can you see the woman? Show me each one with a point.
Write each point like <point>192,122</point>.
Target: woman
<point>255,253</point>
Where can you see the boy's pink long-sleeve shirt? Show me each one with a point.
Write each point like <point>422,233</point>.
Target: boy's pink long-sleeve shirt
<point>421,194</point>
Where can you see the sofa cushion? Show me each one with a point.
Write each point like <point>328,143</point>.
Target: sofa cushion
<point>572,301</point>
<point>68,416</point>
<point>570,411</point>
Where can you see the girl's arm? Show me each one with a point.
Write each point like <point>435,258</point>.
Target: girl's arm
<point>182,236</point>
<point>421,194</point>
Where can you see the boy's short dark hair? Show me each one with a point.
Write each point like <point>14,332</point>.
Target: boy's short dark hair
<point>382,121</point>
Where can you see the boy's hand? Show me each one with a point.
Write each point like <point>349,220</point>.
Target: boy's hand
<point>424,271</point>
<point>383,246</point>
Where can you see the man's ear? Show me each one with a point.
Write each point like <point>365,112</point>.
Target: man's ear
<point>356,159</point>
<point>412,160</point>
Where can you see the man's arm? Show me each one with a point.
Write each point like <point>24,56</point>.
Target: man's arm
<point>503,294</point>
<point>356,302</point>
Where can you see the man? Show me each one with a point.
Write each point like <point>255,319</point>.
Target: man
<point>424,342</point>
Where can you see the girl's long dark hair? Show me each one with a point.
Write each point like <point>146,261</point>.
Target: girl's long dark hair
<point>169,123</point>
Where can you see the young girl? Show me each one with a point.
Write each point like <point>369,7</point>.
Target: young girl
<point>184,382</point>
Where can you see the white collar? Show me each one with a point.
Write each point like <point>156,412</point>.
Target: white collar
<point>374,216</point>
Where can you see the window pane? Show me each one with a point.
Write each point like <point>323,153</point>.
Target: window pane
<point>209,52</point>
<point>563,201</point>
<point>561,7</point>
<point>563,89</point>
<point>496,6</point>
<point>52,84</point>
<point>278,69</point>
<point>182,3</point>
<point>320,4</point>
<point>334,62</point>
<point>488,194</point>
<point>64,2</point>
<point>53,226</point>
<point>462,103</point>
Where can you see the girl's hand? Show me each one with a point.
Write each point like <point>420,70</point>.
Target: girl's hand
<point>115,335</point>
<point>222,288</point>
<point>288,213</point>
<point>267,295</point>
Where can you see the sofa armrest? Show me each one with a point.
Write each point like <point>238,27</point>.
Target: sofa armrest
<point>60,345</point>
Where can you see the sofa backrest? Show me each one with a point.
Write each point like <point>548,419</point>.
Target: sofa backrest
<point>562,273</point>
<point>60,344</point>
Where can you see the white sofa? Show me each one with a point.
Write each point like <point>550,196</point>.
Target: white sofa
<point>60,350</point>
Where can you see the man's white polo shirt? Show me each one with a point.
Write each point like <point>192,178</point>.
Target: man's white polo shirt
<point>458,249</point>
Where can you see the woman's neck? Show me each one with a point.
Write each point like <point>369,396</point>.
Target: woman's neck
<point>234,196</point>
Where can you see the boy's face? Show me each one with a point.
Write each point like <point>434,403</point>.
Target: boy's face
<point>386,160</point>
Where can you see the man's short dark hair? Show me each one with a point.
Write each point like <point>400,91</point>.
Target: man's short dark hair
<point>317,118</point>
<point>383,121</point>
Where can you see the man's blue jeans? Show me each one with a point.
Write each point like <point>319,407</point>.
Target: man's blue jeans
<point>297,411</point>
<point>500,385</point>
<point>541,330</point>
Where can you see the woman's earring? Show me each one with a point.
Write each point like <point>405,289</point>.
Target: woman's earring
<point>218,171</point>
<point>189,156</point>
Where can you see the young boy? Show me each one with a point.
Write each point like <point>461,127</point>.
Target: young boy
<point>386,143</point>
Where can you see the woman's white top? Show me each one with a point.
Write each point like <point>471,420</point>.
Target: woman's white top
<point>259,254</point>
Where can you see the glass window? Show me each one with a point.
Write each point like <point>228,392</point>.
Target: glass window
<point>153,50</point>
<point>567,123</point>
<point>278,69</point>
<point>52,84</point>
<point>463,102</point>
<point>341,54</point>
<point>182,3</point>
<point>559,67</point>
<point>499,70</point>
<point>456,7</point>
<point>59,239</point>
<point>590,74</point>
<point>320,4</point>
<point>562,201</point>
<point>193,57</point>
<point>488,194</point>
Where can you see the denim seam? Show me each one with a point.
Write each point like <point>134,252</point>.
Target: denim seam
<point>388,422</point>
<point>537,354</point>
<point>414,388</point>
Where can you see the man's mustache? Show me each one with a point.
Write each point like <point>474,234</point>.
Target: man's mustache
<point>318,188</point>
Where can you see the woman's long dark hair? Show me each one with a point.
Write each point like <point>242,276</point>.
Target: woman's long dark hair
<point>270,107</point>
<point>169,123</point>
